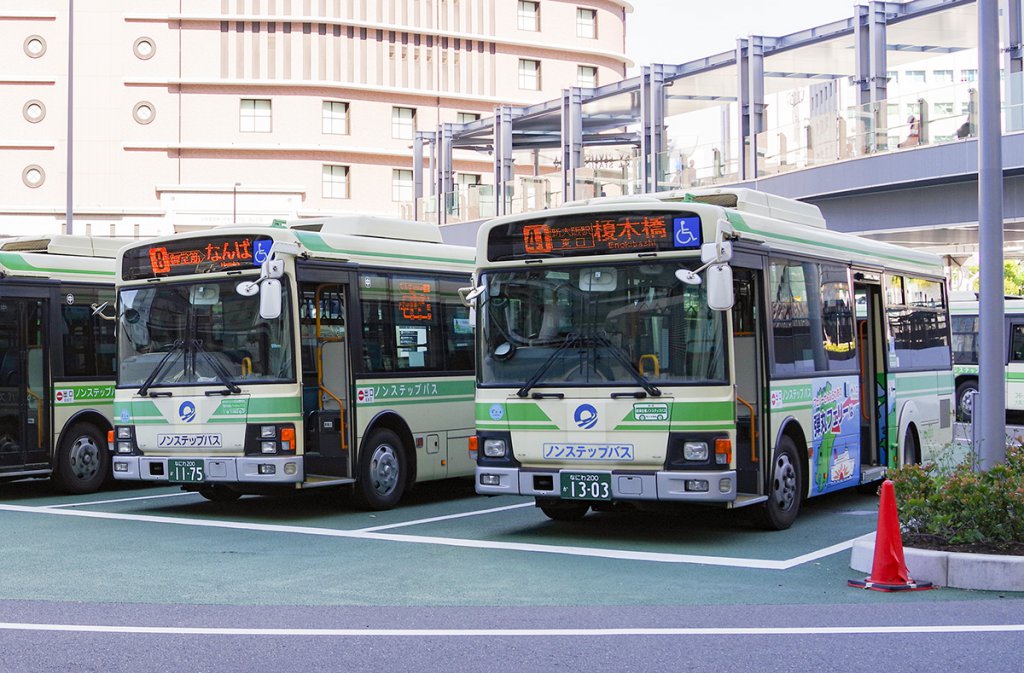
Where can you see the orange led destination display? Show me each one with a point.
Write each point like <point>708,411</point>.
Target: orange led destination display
<point>595,234</point>
<point>204,255</point>
<point>415,300</point>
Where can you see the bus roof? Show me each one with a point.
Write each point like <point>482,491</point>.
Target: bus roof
<point>777,222</point>
<point>966,303</point>
<point>366,240</point>
<point>61,256</point>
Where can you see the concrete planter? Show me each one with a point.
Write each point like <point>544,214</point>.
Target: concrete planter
<point>988,572</point>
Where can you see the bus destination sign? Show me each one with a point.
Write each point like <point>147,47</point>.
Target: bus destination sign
<point>605,233</point>
<point>196,255</point>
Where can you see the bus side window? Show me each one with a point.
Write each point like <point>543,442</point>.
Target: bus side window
<point>1017,341</point>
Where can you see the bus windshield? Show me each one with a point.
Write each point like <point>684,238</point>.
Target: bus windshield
<point>630,325</point>
<point>204,333</point>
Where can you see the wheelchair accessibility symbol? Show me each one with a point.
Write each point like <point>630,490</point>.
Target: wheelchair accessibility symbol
<point>261,251</point>
<point>686,232</point>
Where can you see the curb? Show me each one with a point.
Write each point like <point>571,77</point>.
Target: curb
<point>959,570</point>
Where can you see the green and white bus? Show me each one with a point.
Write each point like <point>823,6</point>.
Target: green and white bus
<point>57,359</point>
<point>963,309</point>
<point>313,353</point>
<point>614,368</point>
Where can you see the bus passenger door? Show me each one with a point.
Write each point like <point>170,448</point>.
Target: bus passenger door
<point>750,381</point>
<point>872,347</point>
<point>326,405</point>
<point>1015,372</point>
<point>23,396</point>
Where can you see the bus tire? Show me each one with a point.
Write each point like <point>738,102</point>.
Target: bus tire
<point>911,450</point>
<point>382,471</point>
<point>83,460</point>
<point>785,489</point>
<point>561,510</point>
<point>964,400</point>
<point>219,493</point>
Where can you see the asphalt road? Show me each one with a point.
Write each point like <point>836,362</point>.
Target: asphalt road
<point>158,580</point>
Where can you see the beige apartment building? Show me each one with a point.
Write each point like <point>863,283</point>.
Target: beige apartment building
<point>188,113</point>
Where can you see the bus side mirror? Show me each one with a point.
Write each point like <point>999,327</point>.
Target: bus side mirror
<point>719,287</point>
<point>270,299</point>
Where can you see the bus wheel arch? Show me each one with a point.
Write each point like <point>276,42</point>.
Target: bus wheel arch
<point>82,456</point>
<point>909,436</point>
<point>386,451</point>
<point>786,480</point>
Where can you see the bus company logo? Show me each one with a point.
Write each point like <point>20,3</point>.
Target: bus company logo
<point>365,395</point>
<point>497,412</point>
<point>187,411</point>
<point>585,416</point>
<point>64,396</point>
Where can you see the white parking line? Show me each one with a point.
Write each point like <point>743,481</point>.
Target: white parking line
<point>524,633</point>
<point>444,518</point>
<point>594,552</point>
<point>107,502</point>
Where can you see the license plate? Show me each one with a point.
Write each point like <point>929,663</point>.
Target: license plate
<point>586,486</point>
<point>188,471</point>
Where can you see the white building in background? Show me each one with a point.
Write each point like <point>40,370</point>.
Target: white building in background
<point>193,113</point>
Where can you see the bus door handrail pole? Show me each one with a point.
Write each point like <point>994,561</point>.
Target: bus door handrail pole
<point>862,333</point>
<point>320,370</point>
<point>753,428</point>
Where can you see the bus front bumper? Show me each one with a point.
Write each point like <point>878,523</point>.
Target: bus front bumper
<point>691,486</point>
<point>235,470</point>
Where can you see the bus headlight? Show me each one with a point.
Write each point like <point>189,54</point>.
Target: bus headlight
<point>124,432</point>
<point>697,451</point>
<point>494,448</point>
<point>268,447</point>
<point>268,431</point>
<point>124,447</point>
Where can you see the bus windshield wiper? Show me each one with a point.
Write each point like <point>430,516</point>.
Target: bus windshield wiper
<point>570,339</point>
<point>218,367</point>
<point>175,347</point>
<point>616,352</point>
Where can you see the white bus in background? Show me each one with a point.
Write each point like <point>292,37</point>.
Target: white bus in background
<point>313,353</point>
<point>614,368</point>
<point>963,309</point>
<point>57,359</point>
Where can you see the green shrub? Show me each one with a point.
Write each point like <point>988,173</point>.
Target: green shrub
<point>956,507</point>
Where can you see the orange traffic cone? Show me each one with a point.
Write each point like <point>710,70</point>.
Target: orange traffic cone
<point>889,569</point>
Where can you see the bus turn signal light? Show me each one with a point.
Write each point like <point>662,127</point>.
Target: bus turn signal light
<point>723,451</point>
<point>472,448</point>
<point>288,438</point>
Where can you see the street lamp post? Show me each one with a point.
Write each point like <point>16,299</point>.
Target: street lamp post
<point>234,202</point>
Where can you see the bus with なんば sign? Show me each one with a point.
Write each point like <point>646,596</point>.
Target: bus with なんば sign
<point>321,352</point>
<point>719,347</point>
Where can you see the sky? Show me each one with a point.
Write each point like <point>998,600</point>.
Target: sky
<point>677,31</point>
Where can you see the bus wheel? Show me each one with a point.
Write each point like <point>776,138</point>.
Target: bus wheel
<point>559,510</point>
<point>910,451</point>
<point>784,490</point>
<point>219,493</point>
<point>965,400</point>
<point>83,461</point>
<point>382,471</point>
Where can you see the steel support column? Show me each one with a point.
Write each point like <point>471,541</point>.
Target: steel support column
<point>656,128</point>
<point>645,124</point>
<point>417,171</point>
<point>879,76</point>
<point>572,140</point>
<point>1013,66</point>
<point>991,349</point>
<point>502,157</point>
<point>750,87</point>
<point>445,177</point>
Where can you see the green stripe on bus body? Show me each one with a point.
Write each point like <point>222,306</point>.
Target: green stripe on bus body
<point>439,399</point>
<point>683,412</point>
<point>828,247</point>
<point>16,262</point>
<point>315,242</point>
<point>513,412</point>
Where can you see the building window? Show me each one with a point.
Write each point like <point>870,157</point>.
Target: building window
<point>892,111</point>
<point>892,76</point>
<point>529,15</point>
<point>943,76</point>
<point>529,74</point>
<point>916,76</point>
<point>942,109</point>
<point>335,182</point>
<point>403,122</point>
<point>401,185</point>
<point>914,109</point>
<point>586,75</point>
<point>254,116</point>
<point>586,22</point>
<point>467,117</point>
<point>968,75</point>
<point>335,117</point>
